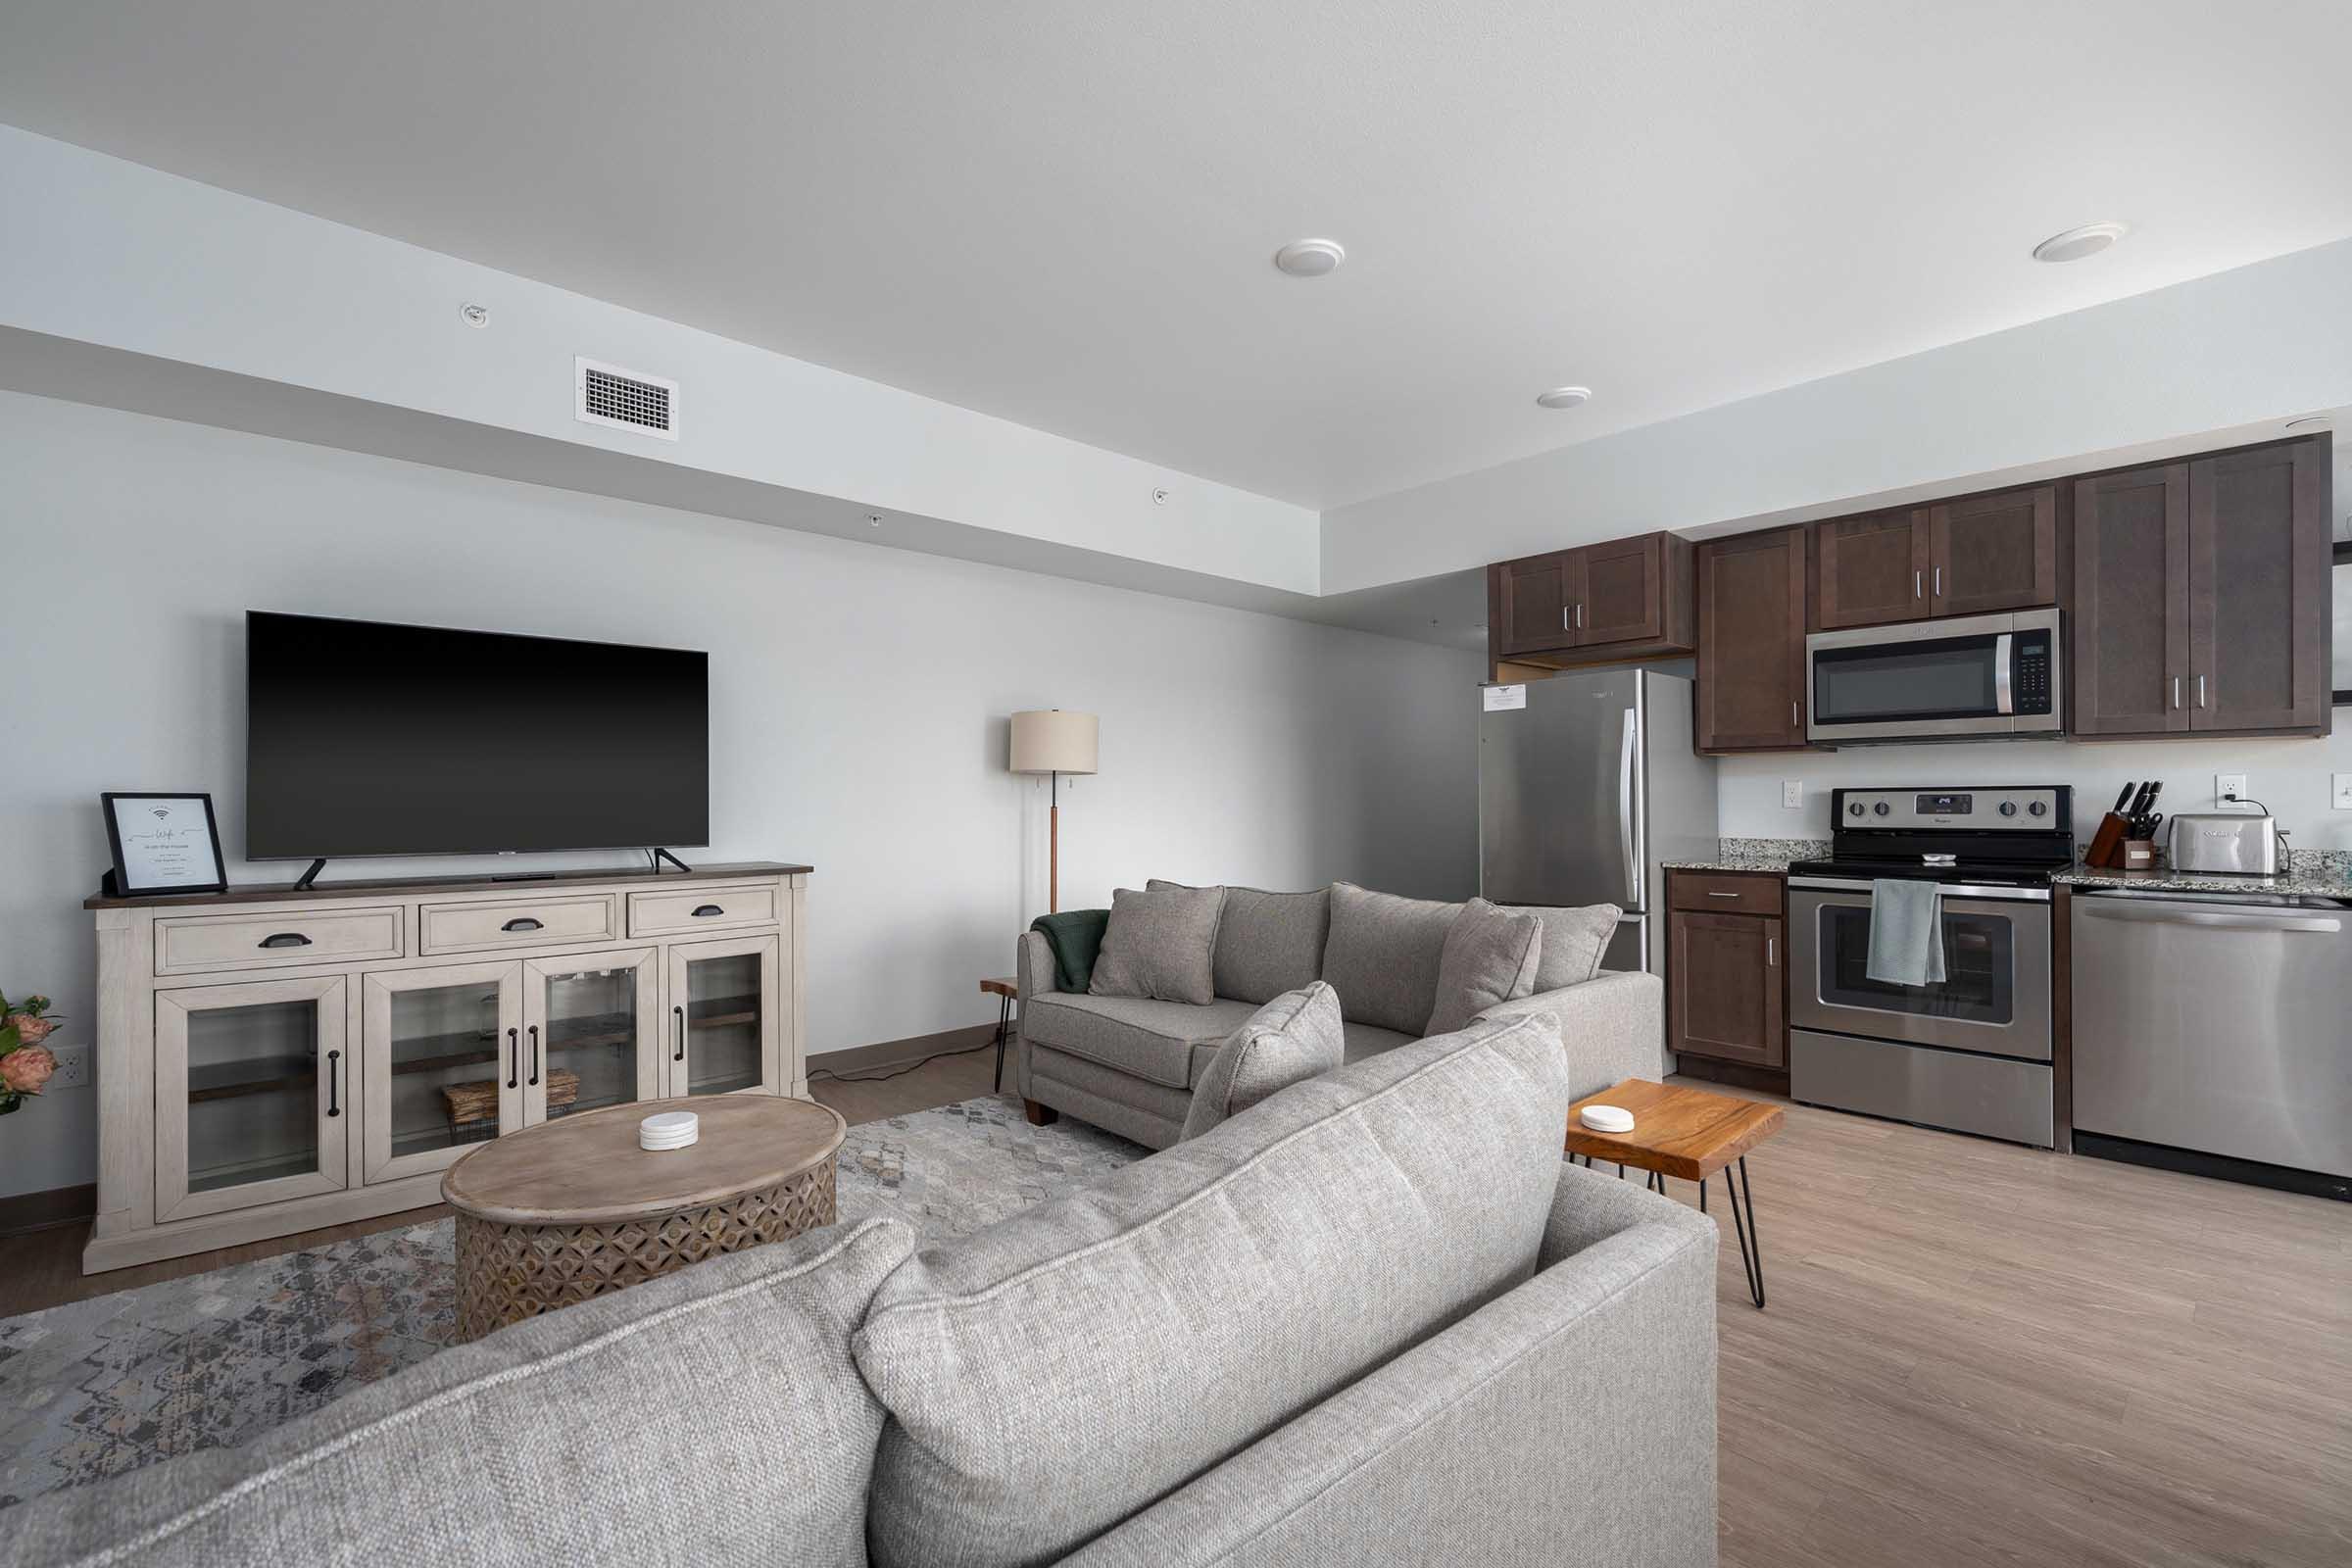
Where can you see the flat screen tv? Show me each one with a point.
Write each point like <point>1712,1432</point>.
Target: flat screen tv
<point>364,738</point>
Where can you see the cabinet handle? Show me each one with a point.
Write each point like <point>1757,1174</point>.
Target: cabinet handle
<point>534,1033</point>
<point>514,1062</point>
<point>334,1083</point>
<point>1712,894</point>
<point>285,939</point>
<point>1771,953</point>
<point>1796,721</point>
<point>680,1053</point>
<point>521,922</point>
<point>1914,587</point>
<point>708,911</point>
<point>2176,691</point>
<point>1567,617</point>
<point>1580,614</point>
<point>1940,582</point>
<point>2200,691</point>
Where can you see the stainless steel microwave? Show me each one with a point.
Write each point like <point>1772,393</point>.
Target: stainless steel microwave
<point>1987,675</point>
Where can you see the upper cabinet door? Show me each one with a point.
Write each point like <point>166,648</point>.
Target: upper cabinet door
<point>1873,569</point>
<point>2258,573</point>
<point>2128,644</point>
<point>1751,642</point>
<point>1997,552</point>
<point>1536,600</point>
<point>1619,592</point>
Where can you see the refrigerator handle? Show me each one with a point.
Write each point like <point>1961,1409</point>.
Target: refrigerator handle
<point>1628,741</point>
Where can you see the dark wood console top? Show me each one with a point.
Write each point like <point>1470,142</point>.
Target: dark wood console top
<point>520,881</point>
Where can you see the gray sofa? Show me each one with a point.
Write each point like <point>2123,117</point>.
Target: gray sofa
<point>1129,1064</point>
<point>1373,1318</point>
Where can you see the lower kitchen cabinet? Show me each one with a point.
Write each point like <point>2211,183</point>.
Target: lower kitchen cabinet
<point>1725,981</point>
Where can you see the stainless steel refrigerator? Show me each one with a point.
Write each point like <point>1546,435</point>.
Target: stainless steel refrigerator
<point>1586,781</point>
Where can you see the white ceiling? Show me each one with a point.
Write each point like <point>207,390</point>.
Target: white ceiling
<point>1062,214</point>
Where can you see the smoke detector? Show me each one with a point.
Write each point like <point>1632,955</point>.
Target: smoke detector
<point>626,400</point>
<point>1310,258</point>
<point>2077,243</point>
<point>1565,397</point>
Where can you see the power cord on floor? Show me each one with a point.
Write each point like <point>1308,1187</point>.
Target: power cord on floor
<point>901,1073</point>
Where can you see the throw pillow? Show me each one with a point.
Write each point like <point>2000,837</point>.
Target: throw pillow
<point>1161,945</point>
<point>1490,956</point>
<point>1075,937</point>
<point>1296,1036</point>
<point>1383,955</point>
<point>1268,943</point>
<point>1573,941</point>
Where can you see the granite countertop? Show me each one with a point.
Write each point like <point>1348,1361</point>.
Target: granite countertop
<point>1754,854</point>
<point>2313,873</point>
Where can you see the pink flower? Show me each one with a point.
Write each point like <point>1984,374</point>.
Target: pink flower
<point>26,1068</point>
<point>30,1031</point>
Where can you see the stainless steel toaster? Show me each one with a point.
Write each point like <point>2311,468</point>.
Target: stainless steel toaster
<point>2226,841</point>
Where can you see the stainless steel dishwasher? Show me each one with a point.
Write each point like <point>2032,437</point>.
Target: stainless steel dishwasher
<point>2213,1033</point>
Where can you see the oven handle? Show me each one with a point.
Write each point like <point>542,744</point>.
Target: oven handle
<point>1951,890</point>
<point>2175,914</point>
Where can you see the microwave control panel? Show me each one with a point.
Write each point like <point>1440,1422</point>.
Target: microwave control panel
<point>2030,683</point>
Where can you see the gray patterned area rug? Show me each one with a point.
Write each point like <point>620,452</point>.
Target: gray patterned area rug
<point>100,1387</point>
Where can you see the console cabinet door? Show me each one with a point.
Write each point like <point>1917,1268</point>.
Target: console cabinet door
<point>1873,569</point>
<point>254,1094</point>
<point>441,1064</point>
<point>2128,649</point>
<point>1537,601</point>
<point>723,1034</point>
<point>2258,590</point>
<point>1751,642</point>
<point>1997,552</point>
<point>1723,974</point>
<point>1622,592</point>
<point>591,1032</point>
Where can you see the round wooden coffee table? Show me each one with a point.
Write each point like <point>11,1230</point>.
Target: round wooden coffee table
<point>573,1208</point>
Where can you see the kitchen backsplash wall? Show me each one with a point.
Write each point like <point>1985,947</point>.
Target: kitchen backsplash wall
<point>2290,776</point>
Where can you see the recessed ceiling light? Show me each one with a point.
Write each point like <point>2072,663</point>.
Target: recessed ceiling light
<point>2077,243</point>
<point>1563,397</point>
<point>1310,258</point>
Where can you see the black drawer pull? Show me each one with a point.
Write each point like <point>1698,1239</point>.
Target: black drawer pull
<point>533,1032</point>
<point>334,1083</point>
<point>708,911</point>
<point>286,939</point>
<point>521,922</point>
<point>514,1062</point>
<point>681,1017</point>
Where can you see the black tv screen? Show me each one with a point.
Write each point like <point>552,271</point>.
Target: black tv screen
<point>364,738</point>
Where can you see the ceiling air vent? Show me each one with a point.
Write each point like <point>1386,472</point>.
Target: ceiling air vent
<point>607,394</point>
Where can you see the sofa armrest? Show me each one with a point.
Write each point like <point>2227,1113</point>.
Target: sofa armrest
<point>1033,966</point>
<point>1613,1027</point>
<point>1587,1208</point>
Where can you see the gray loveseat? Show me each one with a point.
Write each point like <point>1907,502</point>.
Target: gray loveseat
<point>1373,1318</point>
<point>1129,1064</point>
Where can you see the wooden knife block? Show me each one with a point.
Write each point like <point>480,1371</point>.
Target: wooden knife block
<point>2107,843</point>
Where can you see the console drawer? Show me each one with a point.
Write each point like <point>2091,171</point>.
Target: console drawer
<point>699,909</point>
<point>520,923</point>
<point>194,944</point>
<point>1725,892</point>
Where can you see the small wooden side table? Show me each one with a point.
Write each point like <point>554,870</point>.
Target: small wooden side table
<point>1005,990</point>
<point>1692,1134</point>
<point>573,1208</point>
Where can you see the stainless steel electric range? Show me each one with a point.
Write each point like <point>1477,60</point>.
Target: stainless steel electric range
<point>1972,1052</point>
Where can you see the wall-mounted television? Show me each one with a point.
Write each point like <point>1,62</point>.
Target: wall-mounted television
<point>366,738</point>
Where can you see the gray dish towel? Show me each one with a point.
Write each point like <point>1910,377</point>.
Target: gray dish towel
<point>1906,932</point>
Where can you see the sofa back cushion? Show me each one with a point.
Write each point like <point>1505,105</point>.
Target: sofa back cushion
<point>1296,1036</point>
<point>712,1415</point>
<point>1056,1373</point>
<point>1573,940</point>
<point>1490,957</point>
<point>1160,944</point>
<point>1383,953</point>
<point>1268,943</point>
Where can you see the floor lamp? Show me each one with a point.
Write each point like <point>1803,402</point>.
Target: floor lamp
<point>1053,742</point>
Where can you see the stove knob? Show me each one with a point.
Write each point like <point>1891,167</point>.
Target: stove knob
<point>2037,809</point>
<point>1882,808</point>
<point>2008,807</point>
<point>1855,810</point>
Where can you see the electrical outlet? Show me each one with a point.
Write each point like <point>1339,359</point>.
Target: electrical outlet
<point>2342,795</point>
<point>1793,793</point>
<point>2225,785</point>
<point>72,1066</point>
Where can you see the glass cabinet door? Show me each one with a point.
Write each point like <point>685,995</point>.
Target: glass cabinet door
<point>721,1026</point>
<point>443,1064</point>
<point>254,1094</point>
<point>592,1033</point>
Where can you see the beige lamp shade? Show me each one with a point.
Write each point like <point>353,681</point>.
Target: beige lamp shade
<point>1053,741</point>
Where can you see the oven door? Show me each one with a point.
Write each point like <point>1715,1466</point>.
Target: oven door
<point>1971,675</point>
<point>1995,999</point>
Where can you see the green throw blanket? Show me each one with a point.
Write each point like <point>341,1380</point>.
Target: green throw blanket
<point>1075,936</point>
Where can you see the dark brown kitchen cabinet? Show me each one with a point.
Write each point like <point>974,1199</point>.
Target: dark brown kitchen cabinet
<point>1871,571</point>
<point>2202,596</point>
<point>1751,642</point>
<point>1968,557</point>
<point>1627,598</point>
<point>1725,988</point>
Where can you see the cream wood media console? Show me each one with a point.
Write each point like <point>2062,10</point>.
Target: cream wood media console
<point>272,1060</point>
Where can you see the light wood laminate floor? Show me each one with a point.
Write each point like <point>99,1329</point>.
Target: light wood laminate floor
<point>1973,1353</point>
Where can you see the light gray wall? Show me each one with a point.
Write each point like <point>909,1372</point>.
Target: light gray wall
<point>858,707</point>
